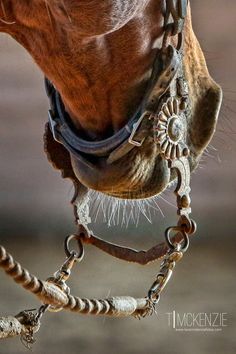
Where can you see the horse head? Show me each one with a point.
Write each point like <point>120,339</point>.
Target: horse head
<point>99,57</point>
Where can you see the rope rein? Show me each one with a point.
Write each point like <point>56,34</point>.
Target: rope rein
<point>55,295</point>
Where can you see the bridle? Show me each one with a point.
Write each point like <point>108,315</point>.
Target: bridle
<point>167,120</point>
<point>168,124</point>
<point>164,112</point>
<point>162,117</point>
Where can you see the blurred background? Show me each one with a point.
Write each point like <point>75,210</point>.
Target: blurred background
<point>35,216</point>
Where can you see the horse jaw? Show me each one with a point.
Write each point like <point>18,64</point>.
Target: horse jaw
<point>205,94</point>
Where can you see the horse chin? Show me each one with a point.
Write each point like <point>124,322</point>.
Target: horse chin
<point>133,177</point>
<point>136,176</point>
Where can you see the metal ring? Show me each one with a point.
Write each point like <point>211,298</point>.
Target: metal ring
<point>193,227</point>
<point>154,299</point>
<point>55,309</point>
<point>173,245</point>
<point>188,225</point>
<point>80,255</point>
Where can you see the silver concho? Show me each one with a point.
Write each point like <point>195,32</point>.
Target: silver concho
<point>170,129</point>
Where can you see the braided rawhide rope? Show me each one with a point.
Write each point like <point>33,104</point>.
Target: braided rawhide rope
<point>55,295</point>
<point>51,294</point>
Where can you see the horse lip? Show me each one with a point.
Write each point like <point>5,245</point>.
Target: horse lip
<point>112,179</point>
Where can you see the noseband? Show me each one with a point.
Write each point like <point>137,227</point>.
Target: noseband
<point>166,81</point>
<point>166,123</point>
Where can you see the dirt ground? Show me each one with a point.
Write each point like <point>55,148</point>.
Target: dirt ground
<point>35,218</point>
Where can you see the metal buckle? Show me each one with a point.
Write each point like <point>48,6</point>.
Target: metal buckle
<point>135,128</point>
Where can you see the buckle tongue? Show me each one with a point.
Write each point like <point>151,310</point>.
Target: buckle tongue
<point>135,130</point>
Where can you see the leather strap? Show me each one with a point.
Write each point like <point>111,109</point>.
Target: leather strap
<point>178,10</point>
<point>130,136</point>
<point>142,257</point>
<point>64,133</point>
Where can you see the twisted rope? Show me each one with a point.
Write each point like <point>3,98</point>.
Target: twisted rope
<point>51,294</point>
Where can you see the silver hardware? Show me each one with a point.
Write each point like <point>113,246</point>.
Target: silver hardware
<point>135,128</point>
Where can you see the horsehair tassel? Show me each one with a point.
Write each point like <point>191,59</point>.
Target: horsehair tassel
<point>51,294</point>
